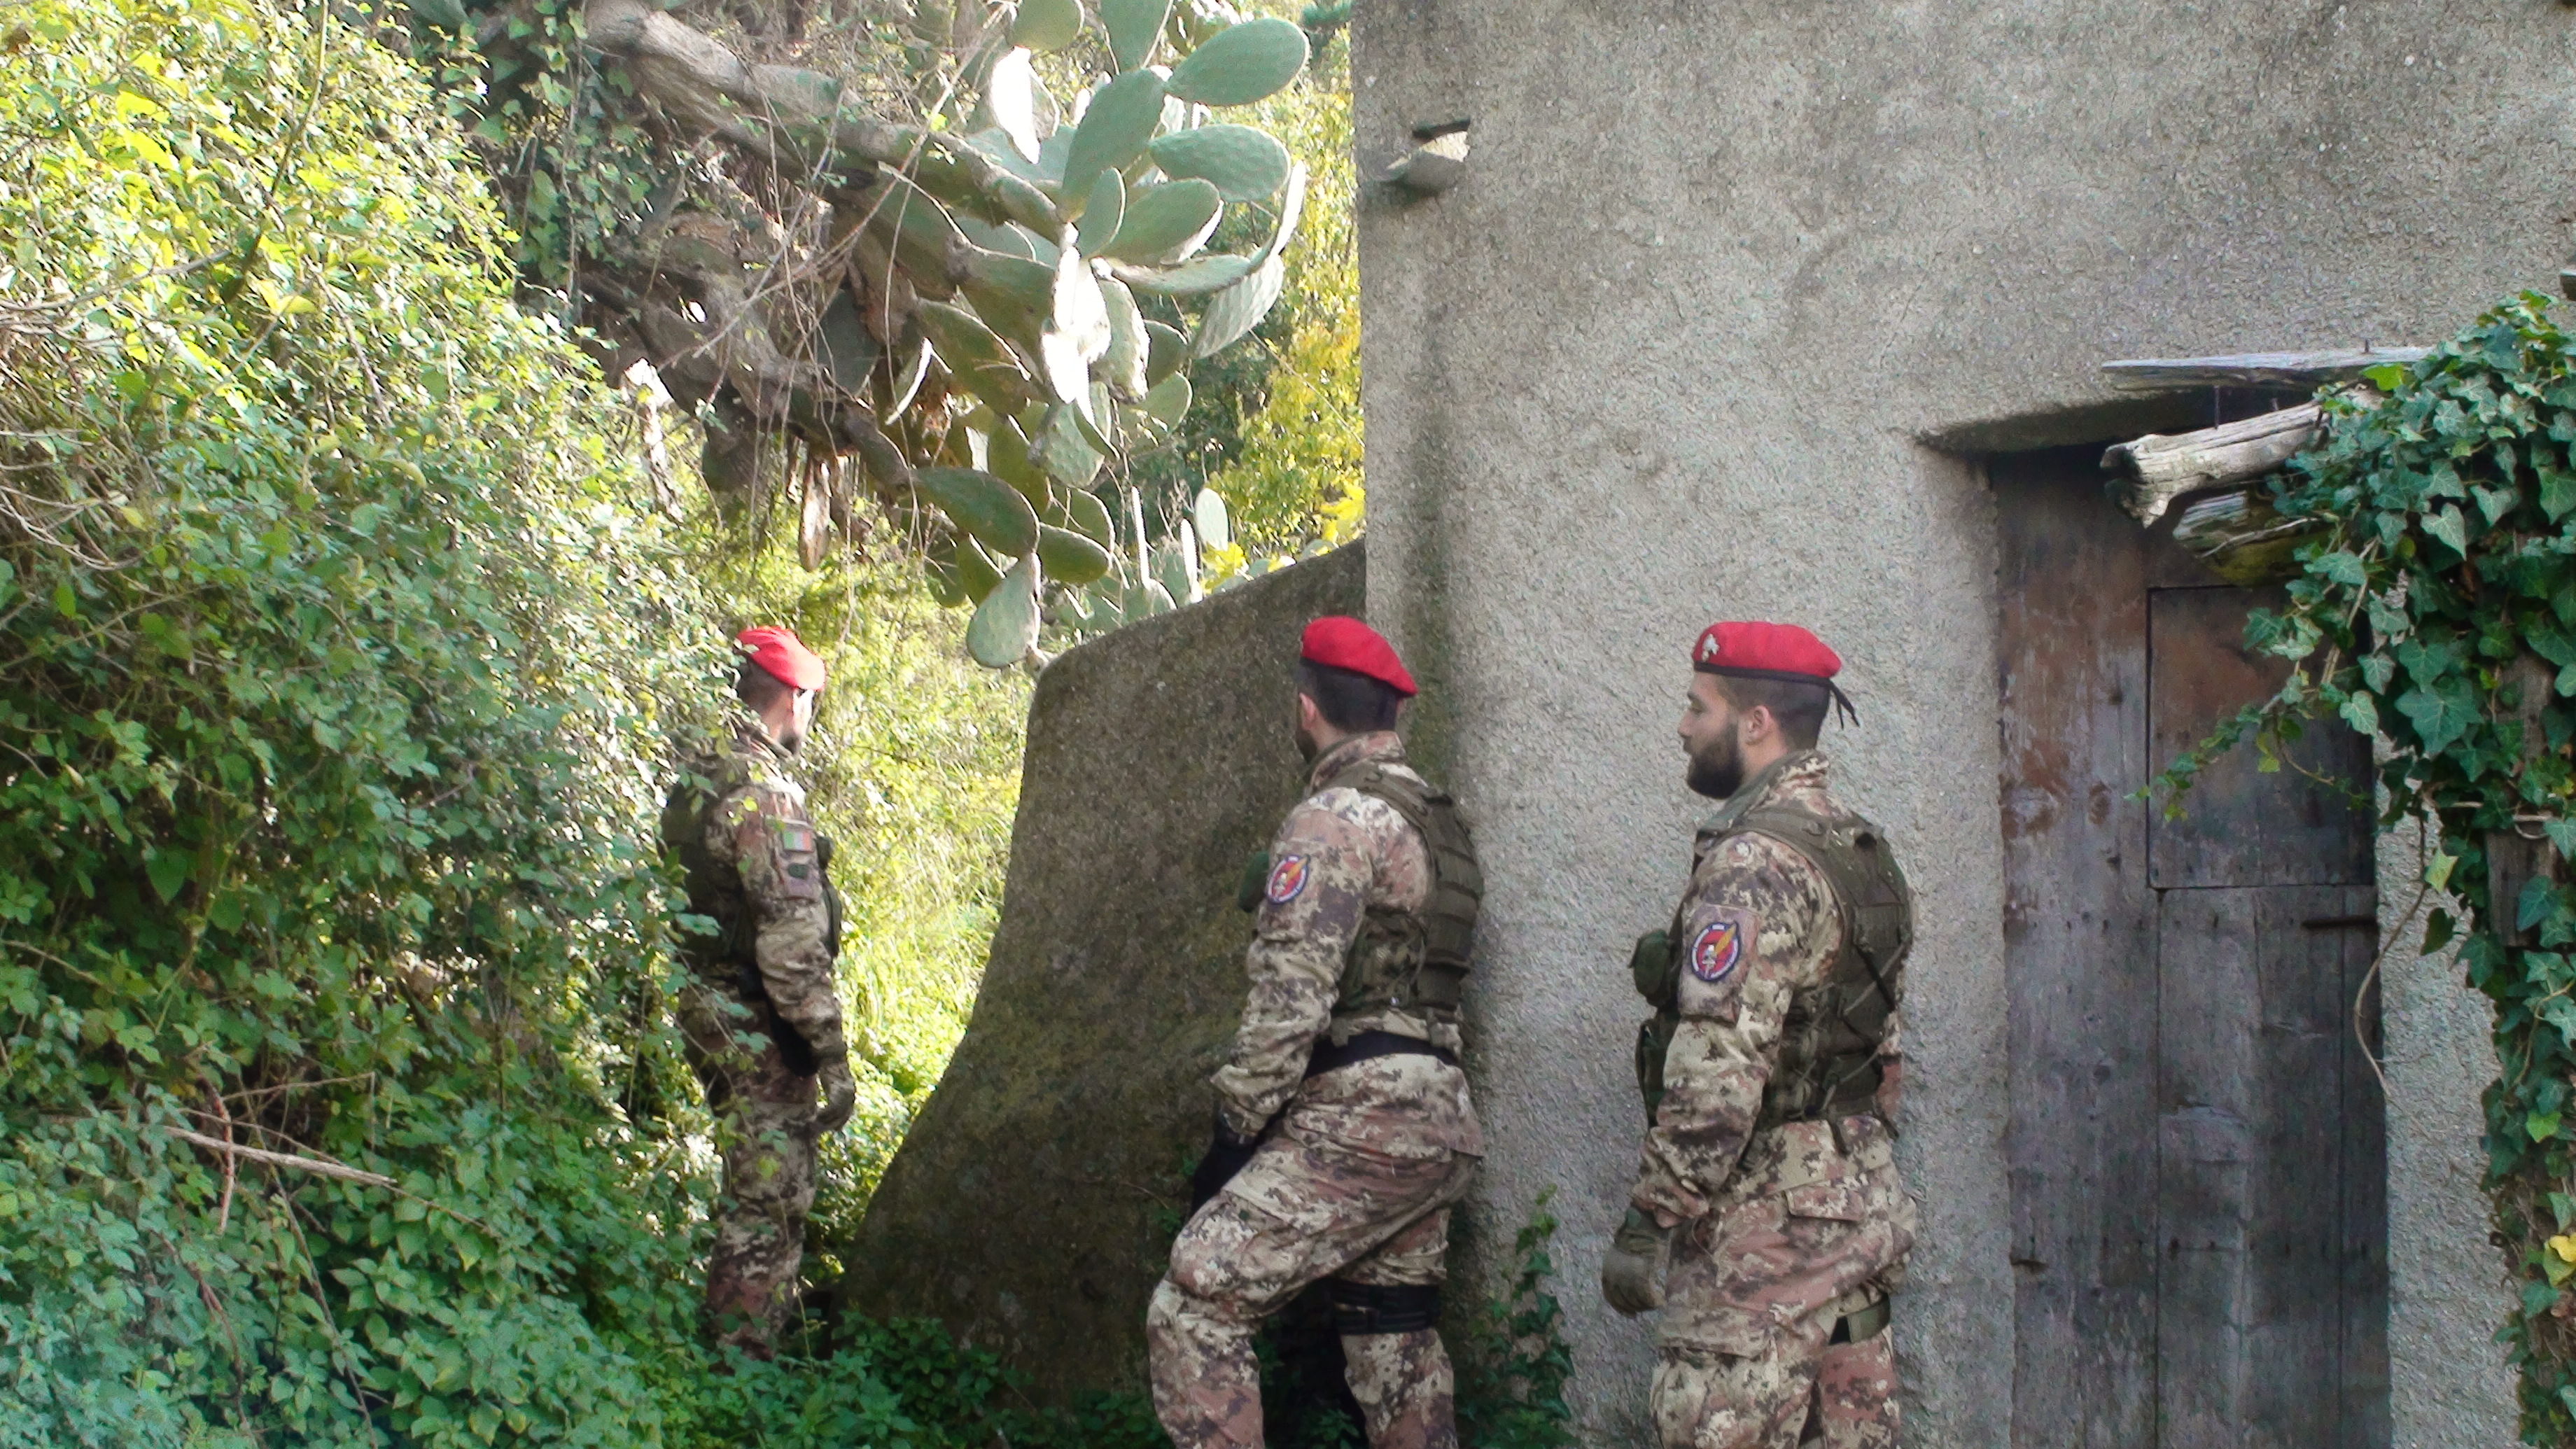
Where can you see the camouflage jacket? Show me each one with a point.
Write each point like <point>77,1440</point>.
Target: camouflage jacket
<point>737,824</point>
<point>1758,924</point>
<point>1337,854</point>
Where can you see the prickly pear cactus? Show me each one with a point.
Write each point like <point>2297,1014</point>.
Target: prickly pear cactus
<point>1058,374</point>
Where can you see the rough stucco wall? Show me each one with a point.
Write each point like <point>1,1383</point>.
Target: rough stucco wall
<point>2443,1296</point>
<point>1723,283</point>
<point>1031,1207</point>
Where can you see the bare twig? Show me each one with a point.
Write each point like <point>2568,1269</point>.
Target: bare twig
<point>318,1166</point>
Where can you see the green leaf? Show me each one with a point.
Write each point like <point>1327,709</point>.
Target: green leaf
<point>2557,492</point>
<point>2541,1126</point>
<point>2562,836</point>
<point>2361,712</point>
<point>1005,625</point>
<point>2550,640</point>
<point>2343,567</point>
<point>1241,63</point>
<point>2450,528</point>
<point>1122,117</point>
<point>1166,223</point>
<point>1242,162</point>
<point>2438,930</point>
<point>169,872</point>
<point>1047,24</point>
<point>1133,26</point>
<point>2386,376</point>
<point>2539,900</point>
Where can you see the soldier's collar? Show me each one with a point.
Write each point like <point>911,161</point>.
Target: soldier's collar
<point>1760,788</point>
<point>1382,746</point>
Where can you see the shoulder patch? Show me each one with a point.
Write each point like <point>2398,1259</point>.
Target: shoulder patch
<point>1287,880</point>
<point>1717,950</point>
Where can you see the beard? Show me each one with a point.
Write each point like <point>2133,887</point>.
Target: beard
<point>1305,744</point>
<point>1717,768</point>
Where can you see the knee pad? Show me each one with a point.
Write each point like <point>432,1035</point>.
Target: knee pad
<point>1366,1308</point>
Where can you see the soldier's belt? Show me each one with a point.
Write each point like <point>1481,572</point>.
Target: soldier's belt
<point>1368,1046</point>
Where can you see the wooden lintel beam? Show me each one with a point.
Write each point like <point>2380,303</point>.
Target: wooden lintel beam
<point>2254,369</point>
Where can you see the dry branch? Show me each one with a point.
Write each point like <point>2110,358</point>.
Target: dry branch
<point>2299,371</point>
<point>318,1166</point>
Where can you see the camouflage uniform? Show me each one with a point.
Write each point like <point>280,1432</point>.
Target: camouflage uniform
<point>1783,1229</point>
<point>759,1016</point>
<point>1362,1162</point>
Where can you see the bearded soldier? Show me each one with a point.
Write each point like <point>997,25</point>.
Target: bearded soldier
<point>760,1015</point>
<point>1344,1131</point>
<point>1768,1206</point>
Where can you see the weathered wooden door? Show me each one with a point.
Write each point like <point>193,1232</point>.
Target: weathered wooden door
<point>2199,1210</point>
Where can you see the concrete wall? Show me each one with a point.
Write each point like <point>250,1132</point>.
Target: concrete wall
<point>1732,300</point>
<point>1033,1205</point>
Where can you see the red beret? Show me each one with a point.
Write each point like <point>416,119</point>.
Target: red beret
<point>783,654</point>
<point>1339,641</point>
<point>1764,651</point>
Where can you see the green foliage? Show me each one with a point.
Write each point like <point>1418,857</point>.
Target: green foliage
<point>2443,566</point>
<point>1513,1360</point>
<point>329,657</point>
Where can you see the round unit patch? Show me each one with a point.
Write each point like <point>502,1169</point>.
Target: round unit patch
<point>1287,880</point>
<point>1715,950</point>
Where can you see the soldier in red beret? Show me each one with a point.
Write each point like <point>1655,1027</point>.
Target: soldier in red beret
<point>1768,1207</point>
<point>1344,1130</point>
<point>761,1016</point>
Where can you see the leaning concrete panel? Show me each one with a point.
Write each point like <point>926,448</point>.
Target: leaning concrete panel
<point>1031,1206</point>
<point>1729,301</point>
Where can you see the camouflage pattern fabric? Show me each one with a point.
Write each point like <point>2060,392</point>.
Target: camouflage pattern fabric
<point>1785,1230</point>
<point>1338,853</point>
<point>764,1128</point>
<point>761,1017</point>
<point>1296,1213</point>
<point>1361,1164</point>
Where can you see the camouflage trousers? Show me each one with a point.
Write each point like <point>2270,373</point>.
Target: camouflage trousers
<point>764,1127</point>
<point>1755,1292</point>
<point>1296,1213</point>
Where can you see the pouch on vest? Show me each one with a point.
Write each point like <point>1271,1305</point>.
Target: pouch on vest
<point>1656,970</point>
<point>1415,960</point>
<point>1255,883</point>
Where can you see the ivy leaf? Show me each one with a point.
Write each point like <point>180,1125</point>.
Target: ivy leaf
<point>2562,837</point>
<point>2343,566</point>
<point>2537,1299</point>
<point>2550,641</point>
<point>2437,871</point>
<point>2378,670</point>
<point>2541,1125</point>
<point>2495,503</point>
<point>2538,900</point>
<point>2557,492</point>
<point>2440,714</point>
<point>2437,933</point>
<point>2450,528</point>
<point>2386,375</point>
<point>2361,712</point>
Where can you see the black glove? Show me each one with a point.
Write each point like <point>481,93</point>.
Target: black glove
<point>1228,1150</point>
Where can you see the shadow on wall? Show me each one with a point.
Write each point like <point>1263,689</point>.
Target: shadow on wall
<point>1031,1207</point>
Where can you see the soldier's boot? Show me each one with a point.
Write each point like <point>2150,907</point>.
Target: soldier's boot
<point>1405,1387</point>
<point>1855,1404</point>
<point>1198,1353</point>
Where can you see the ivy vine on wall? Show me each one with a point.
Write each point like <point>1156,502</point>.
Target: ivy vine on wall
<point>2435,605</point>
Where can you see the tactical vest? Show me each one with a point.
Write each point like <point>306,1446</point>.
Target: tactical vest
<point>1413,961</point>
<point>732,954</point>
<point>1828,1064</point>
